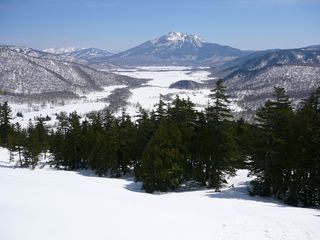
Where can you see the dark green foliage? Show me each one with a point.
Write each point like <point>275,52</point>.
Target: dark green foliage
<point>162,159</point>
<point>5,126</point>
<point>219,138</point>
<point>220,110</point>
<point>19,114</point>
<point>175,143</point>
<point>305,163</point>
<point>17,140</point>
<point>183,114</point>
<point>285,156</point>
<point>272,150</point>
<point>36,142</point>
<point>244,140</point>
<point>145,127</point>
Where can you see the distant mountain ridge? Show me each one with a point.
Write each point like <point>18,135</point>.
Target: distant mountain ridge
<point>62,50</point>
<point>27,71</point>
<point>251,78</point>
<point>82,53</point>
<point>174,48</point>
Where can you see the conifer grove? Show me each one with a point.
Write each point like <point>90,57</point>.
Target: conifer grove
<point>175,143</point>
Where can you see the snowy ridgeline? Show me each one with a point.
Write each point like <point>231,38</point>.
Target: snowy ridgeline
<point>55,204</point>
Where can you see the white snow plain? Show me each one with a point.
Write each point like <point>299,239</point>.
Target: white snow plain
<point>160,78</point>
<point>54,204</point>
<point>93,101</point>
<point>164,77</point>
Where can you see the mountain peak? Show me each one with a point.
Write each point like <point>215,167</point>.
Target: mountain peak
<point>175,48</point>
<point>178,38</point>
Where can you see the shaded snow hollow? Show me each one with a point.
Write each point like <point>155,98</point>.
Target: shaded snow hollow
<point>50,204</point>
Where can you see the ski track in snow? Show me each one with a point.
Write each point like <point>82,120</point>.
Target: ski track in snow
<point>51,204</point>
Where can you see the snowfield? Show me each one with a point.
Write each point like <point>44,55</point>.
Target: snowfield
<point>93,101</point>
<point>51,204</point>
<point>160,78</point>
<point>164,77</point>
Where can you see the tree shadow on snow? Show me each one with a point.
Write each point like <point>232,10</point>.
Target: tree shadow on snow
<point>241,193</point>
<point>87,173</point>
<point>134,186</point>
<point>6,164</point>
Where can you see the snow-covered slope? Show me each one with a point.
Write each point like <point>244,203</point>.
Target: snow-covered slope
<point>45,55</point>
<point>25,73</point>
<point>51,204</point>
<point>87,54</point>
<point>252,78</point>
<point>174,48</point>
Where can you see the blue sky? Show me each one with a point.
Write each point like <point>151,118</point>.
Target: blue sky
<point>121,24</point>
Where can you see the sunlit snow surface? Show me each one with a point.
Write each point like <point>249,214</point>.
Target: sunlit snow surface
<point>89,102</point>
<point>165,76</point>
<point>160,78</point>
<point>51,204</point>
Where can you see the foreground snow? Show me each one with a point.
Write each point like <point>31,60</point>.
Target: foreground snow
<point>50,204</point>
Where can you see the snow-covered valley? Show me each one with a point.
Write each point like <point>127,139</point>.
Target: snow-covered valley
<point>160,78</point>
<point>55,204</point>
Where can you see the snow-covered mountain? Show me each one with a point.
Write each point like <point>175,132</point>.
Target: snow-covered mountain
<point>249,77</point>
<point>174,48</point>
<point>85,56</point>
<point>62,50</point>
<point>90,53</point>
<point>27,71</point>
<point>82,53</point>
<point>252,78</point>
<point>45,55</point>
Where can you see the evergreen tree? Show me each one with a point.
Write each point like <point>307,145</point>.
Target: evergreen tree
<point>160,110</point>
<point>221,148</point>
<point>73,142</point>
<point>5,126</point>
<point>304,188</point>
<point>33,146</point>
<point>126,137</point>
<point>145,129</point>
<point>17,141</point>
<point>183,114</point>
<point>162,158</point>
<point>220,110</point>
<point>243,135</point>
<point>271,155</point>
